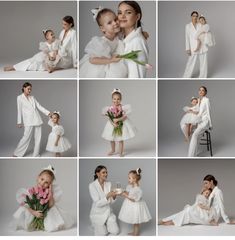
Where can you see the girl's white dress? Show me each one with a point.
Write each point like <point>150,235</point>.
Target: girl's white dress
<point>128,129</point>
<point>134,212</point>
<point>102,47</point>
<point>63,144</point>
<point>205,36</point>
<point>38,61</point>
<point>191,118</point>
<point>56,219</point>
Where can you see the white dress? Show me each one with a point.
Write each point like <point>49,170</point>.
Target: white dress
<point>102,47</point>
<point>193,214</point>
<point>190,118</point>
<point>205,35</point>
<point>132,42</point>
<point>68,50</point>
<point>63,144</point>
<point>38,61</point>
<point>56,219</point>
<point>134,212</point>
<point>128,129</point>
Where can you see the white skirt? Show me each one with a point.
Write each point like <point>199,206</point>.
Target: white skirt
<point>134,212</point>
<point>63,144</point>
<point>190,118</point>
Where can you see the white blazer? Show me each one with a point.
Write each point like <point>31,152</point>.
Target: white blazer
<point>204,110</point>
<point>28,111</point>
<point>217,202</point>
<point>68,49</point>
<point>132,42</point>
<point>101,209</point>
<point>190,38</point>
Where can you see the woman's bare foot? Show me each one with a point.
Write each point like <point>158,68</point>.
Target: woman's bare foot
<point>111,153</point>
<point>8,68</point>
<point>14,155</point>
<point>213,223</point>
<point>50,70</point>
<point>131,234</point>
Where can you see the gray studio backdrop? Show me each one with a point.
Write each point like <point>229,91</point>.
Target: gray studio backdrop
<point>117,172</point>
<point>21,25</point>
<point>174,15</point>
<point>53,95</point>
<point>22,173</point>
<point>179,181</point>
<point>173,95</point>
<point>88,28</point>
<point>94,95</point>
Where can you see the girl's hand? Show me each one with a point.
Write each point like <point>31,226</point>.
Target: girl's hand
<point>115,124</point>
<point>115,58</point>
<point>125,194</point>
<point>115,120</point>
<point>50,195</point>
<point>37,214</point>
<point>56,143</point>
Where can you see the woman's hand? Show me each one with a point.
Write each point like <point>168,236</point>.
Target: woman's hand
<point>20,125</point>
<point>188,52</point>
<point>125,194</point>
<point>232,222</point>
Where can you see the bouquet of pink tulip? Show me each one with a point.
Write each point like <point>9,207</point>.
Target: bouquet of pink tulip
<point>116,112</point>
<point>38,200</point>
<point>133,55</point>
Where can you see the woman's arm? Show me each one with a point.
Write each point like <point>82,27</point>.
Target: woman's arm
<point>19,111</point>
<point>41,108</point>
<point>202,206</point>
<point>219,197</point>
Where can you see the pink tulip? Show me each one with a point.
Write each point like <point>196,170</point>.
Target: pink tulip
<point>42,201</point>
<point>36,189</point>
<point>31,191</point>
<point>148,66</point>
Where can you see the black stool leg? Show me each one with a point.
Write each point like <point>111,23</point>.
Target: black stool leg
<point>207,141</point>
<point>210,144</point>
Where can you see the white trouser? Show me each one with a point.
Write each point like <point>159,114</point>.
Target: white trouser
<point>110,226</point>
<point>191,65</point>
<point>25,141</point>
<point>193,145</point>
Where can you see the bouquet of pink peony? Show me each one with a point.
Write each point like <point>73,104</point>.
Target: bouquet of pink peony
<point>133,55</point>
<point>116,112</point>
<point>37,200</point>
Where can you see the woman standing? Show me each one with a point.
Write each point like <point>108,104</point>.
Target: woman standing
<point>29,118</point>
<point>129,16</point>
<point>102,218</point>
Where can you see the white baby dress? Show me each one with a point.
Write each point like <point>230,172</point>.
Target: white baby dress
<point>56,219</point>
<point>128,129</point>
<point>63,144</point>
<point>102,47</point>
<point>134,212</point>
<point>190,118</point>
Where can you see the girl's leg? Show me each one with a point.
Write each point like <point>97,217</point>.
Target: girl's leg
<point>136,230</point>
<point>198,45</point>
<point>8,68</point>
<point>187,132</point>
<point>58,154</point>
<point>190,129</point>
<point>121,148</point>
<point>112,148</point>
<point>167,223</point>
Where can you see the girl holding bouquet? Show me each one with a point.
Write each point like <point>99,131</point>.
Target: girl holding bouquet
<point>134,209</point>
<point>38,209</point>
<point>118,128</point>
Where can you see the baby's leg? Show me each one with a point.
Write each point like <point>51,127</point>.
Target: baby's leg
<point>8,68</point>
<point>58,154</point>
<point>112,148</point>
<point>136,230</point>
<point>167,223</point>
<point>190,129</point>
<point>121,148</point>
<point>187,132</point>
<point>198,45</point>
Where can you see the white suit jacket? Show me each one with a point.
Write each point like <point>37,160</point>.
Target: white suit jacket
<point>68,49</point>
<point>204,110</point>
<point>190,38</point>
<point>217,202</point>
<point>136,41</point>
<point>101,209</point>
<point>28,111</point>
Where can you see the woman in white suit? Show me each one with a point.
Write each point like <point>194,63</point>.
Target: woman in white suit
<point>102,217</point>
<point>129,16</point>
<point>29,118</point>
<point>203,125</point>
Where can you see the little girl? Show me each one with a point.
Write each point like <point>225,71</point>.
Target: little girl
<point>190,118</point>
<point>134,209</point>
<point>204,35</point>
<point>51,217</point>
<point>57,143</point>
<point>46,59</point>
<point>101,53</point>
<point>118,128</point>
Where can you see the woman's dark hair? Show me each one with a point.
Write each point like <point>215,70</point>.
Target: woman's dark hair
<point>25,85</point>
<point>69,20</point>
<point>137,174</point>
<point>102,12</point>
<point>97,170</point>
<point>210,178</point>
<point>50,173</point>
<point>194,12</point>
<point>205,89</point>
<point>45,33</point>
<point>136,7</point>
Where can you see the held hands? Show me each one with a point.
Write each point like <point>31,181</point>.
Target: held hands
<point>188,52</point>
<point>20,125</point>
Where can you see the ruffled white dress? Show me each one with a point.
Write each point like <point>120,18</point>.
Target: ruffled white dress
<point>128,129</point>
<point>191,118</point>
<point>38,61</point>
<point>56,219</point>
<point>63,144</point>
<point>102,47</point>
<point>205,35</point>
<point>134,212</point>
